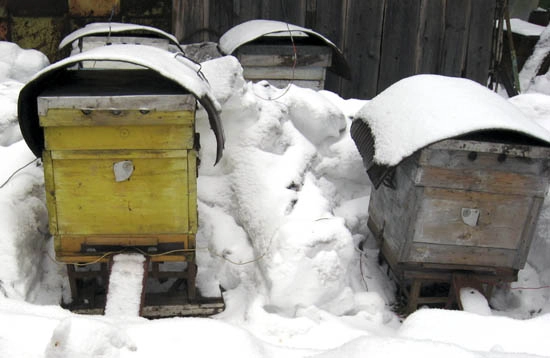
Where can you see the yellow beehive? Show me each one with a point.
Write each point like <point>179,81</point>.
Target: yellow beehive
<point>120,170</point>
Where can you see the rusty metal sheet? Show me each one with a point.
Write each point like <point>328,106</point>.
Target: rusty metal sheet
<point>40,33</point>
<point>4,30</point>
<point>101,8</point>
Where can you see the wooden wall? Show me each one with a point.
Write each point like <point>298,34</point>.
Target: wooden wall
<point>383,40</point>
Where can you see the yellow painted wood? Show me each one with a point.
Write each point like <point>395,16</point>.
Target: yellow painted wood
<point>75,117</point>
<point>71,258</point>
<point>124,137</point>
<point>192,189</point>
<point>122,241</point>
<point>156,205</point>
<point>153,200</point>
<point>50,195</point>
<point>73,243</point>
<point>120,154</point>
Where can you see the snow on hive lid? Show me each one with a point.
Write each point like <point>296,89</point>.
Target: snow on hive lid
<point>173,67</point>
<point>251,30</point>
<point>421,110</point>
<point>106,28</point>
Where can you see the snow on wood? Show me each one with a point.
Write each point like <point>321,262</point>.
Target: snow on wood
<point>125,285</point>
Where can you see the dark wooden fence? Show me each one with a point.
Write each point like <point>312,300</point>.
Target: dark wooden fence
<point>383,40</point>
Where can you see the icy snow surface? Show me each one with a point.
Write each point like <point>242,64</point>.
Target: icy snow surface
<point>282,227</point>
<point>424,109</point>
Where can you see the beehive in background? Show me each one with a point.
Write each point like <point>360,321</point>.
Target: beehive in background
<point>282,53</point>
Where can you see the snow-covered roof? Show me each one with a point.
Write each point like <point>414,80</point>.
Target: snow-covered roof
<point>420,110</point>
<point>251,30</point>
<point>105,28</point>
<point>173,67</point>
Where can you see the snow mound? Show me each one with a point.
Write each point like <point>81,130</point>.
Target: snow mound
<point>19,64</point>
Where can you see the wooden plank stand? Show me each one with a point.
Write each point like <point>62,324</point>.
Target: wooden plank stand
<point>164,293</point>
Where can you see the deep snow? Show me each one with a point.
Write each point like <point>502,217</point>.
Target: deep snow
<point>282,228</point>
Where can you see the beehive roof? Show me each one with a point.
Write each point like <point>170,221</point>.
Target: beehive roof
<point>251,30</point>
<point>106,28</point>
<point>173,67</point>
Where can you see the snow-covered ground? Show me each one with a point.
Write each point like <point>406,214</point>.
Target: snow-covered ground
<point>282,228</point>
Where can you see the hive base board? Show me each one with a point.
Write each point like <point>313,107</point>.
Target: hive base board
<point>179,298</point>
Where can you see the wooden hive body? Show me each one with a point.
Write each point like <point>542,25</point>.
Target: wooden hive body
<point>274,61</point>
<point>462,204</point>
<point>120,165</point>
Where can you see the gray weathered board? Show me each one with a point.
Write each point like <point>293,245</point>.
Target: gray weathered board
<point>383,40</point>
<point>423,221</point>
<point>275,63</point>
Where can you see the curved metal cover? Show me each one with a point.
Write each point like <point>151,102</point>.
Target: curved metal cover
<point>175,68</point>
<point>106,28</point>
<point>251,30</point>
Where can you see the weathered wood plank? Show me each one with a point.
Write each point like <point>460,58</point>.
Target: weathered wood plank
<point>245,10</point>
<point>220,17</point>
<point>528,233</point>
<point>480,36</point>
<point>363,36</point>
<point>464,160</point>
<point>462,255</point>
<point>189,20</point>
<point>328,18</point>
<point>457,23</point>
<point>500,223</point>
<point>398,51</point>
<point>291,11</point>
<point>491,181</point>
<point>280,55</point>
<point>430,36</point>
<point>284,73</point>
<point>313,84</point>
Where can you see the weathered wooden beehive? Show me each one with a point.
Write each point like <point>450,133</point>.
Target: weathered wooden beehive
<point>463,204</point>
<point>453,195</point>
<point>282,53</point>
<point>119,152</point>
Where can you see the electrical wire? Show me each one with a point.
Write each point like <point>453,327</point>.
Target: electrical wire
<point>17,171</point>
<point>294,62</point>
<point>136,249</point>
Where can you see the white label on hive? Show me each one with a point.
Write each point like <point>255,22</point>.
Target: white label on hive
<point>123,170</point>
<point>470,216</point>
